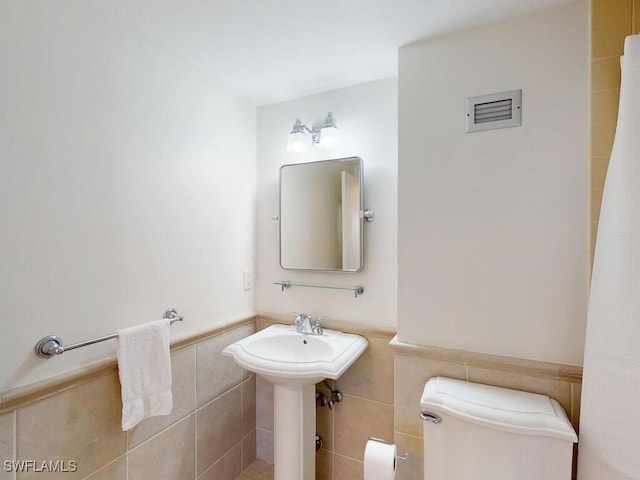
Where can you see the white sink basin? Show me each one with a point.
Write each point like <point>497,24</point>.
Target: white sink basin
<point>284,356</point>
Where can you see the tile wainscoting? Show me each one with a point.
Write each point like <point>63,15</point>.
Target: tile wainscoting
<point>224,414</point>
<point>382,392</point>
<point>415,364</point>
<point>76,416</point>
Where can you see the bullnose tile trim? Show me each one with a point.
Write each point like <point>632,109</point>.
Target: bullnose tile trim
<point>24,395</point>
<point>533,368</point>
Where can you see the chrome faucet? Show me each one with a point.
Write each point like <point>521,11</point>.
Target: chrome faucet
<point>303,324</point>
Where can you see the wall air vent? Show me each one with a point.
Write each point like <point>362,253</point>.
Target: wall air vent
<point>500,110</point>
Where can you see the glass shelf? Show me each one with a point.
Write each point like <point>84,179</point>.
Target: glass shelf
<point>357,289</point>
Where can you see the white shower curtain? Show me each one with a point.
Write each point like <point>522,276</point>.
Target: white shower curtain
<point>609,446</point>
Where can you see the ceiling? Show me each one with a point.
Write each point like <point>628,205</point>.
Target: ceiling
<point>274,50</point>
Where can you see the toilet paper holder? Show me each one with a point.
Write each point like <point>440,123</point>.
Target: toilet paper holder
<point>398,457</point>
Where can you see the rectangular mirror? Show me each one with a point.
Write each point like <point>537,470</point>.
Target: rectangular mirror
<point>321,205</point>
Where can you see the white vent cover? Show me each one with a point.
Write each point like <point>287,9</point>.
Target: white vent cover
<point>500,110</point>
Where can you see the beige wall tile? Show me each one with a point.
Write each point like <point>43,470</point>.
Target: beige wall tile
<point>6,443</point>
<point>215,373</point>
<point>218,428</point>
<point>81,424</point>
<point>264,445</point>
<point>605,74</point>
<point>114,471</point>
<point>602,139</point>
<point>371,376</point>
<point>264,403</point>
<point>559,390</point>
<point>243,332</point>
<point>594,236</point>
<point>357,419</point>
<point>248,416</point>
<point>183,364</point>
<point>605,12</point>
<point>324,420</point>
<point>604,106</point>
<point>324,465</point>
<point>596,202</point>
<point>413,467</point>
<point>248,445</point>
<point>611,22</point>
<point>576,399</point>
<point>346,468</point>
<point>259,470</point>
<point>411,374</point>
<point>599,166</point>
<point>170,455</point>
<point>227,468</point>
<point>608,40</point>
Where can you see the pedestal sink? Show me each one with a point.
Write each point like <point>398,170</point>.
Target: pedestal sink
<point>294,363</point>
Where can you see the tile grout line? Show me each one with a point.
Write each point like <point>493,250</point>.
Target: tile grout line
<point>350,458</point>
<point>221,459</point>
<point>365,399</point>
<point>241,417</point>
<point>600,90</point>
<point>333,446</point>
<point>408,434</point>
<point>209,402</point>
<point>572,416</point>
<point>158,433</point>
<point>15,438</point>
<point>195,407</point>
<point>118,458</point>
<point>126,453</point>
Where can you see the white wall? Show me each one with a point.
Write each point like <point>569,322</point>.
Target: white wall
<point>493,226</point>
<point>127,185</point>
<point>366,116</point>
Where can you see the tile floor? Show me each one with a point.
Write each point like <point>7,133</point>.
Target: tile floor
<point>258,470</point>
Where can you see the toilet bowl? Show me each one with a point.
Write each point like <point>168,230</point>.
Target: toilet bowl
<point>480,432</point>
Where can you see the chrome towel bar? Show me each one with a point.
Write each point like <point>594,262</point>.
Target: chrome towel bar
<point>51,345</point>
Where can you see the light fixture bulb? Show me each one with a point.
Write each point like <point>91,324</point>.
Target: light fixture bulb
<point>329,133</point>
<point>329,137</point>
<point>297,142</point>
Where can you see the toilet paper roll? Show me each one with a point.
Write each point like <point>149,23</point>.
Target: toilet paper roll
<point>379,461</point>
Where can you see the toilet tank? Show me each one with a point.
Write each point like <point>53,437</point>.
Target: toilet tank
<point>480,432</point>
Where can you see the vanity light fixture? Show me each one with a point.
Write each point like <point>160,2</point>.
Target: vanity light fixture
<point>325,135</point>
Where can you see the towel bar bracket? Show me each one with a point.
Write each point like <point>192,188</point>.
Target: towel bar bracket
<point>51,345</point>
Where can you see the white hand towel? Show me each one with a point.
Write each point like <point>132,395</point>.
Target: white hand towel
<point>144,367</point>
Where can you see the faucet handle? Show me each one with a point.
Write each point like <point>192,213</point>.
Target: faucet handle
<point>317,328</point>
<point>301,317</point>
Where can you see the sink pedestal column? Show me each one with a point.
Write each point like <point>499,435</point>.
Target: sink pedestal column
<point>294,430</point>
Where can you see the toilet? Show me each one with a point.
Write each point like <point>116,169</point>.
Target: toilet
<point>480,432</point>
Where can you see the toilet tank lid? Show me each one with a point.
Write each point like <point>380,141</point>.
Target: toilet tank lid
<point>498,408</point>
